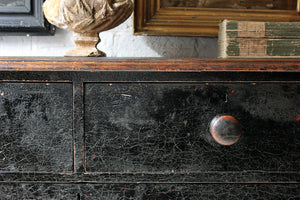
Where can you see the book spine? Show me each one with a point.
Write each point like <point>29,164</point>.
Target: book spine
<point>258,39</point>
<point>244,29</point>
<point>238,47</point>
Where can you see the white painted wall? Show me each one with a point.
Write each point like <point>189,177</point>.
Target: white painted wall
<point>118,42</point>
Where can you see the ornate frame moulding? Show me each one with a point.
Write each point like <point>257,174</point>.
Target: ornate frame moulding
<point>151,17</point>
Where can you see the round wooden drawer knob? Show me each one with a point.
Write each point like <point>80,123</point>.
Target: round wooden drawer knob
<point>226,130</point>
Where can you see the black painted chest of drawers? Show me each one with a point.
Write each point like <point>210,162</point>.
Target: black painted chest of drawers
<point>141,129</point>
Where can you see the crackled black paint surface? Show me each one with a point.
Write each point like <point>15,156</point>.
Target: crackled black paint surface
<point>151,191</point>
<point>142,135</point>
<point>36,127</point>
<point>164,127</point>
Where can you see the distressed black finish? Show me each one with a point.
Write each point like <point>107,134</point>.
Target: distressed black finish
<point>36,127</point>
<point>151,191</point>
<point>164,127</point>
<point>130,134</point>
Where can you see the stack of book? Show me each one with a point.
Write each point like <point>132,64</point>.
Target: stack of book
<point>249,39</point>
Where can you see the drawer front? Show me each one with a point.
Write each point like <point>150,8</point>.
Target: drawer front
<point>150,191</point>
<point>165,127</point>
<point>36,127</point>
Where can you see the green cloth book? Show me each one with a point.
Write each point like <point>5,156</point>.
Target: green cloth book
<point>259,39</point>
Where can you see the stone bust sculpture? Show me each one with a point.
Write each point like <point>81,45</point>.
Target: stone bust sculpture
<point>86,18</point>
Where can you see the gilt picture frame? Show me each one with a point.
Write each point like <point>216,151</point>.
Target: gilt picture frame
<point>153,17</point>
<point>23,17</point>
